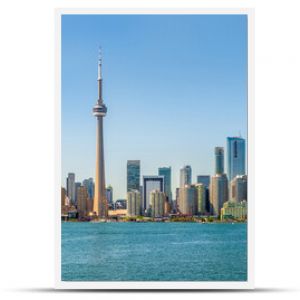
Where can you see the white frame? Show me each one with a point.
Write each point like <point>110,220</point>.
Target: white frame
<point>142,285</point>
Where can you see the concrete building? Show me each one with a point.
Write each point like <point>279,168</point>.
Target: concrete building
<point>234,210</point>
<point>82,204</point>
<point>134,203</point>
<point>219,160</point>
<point>157,203</point>
<point>187,202</point>
<point>185,176</point>
<point>151,183</point>
<point>236,157</point>
<point>218,193</point>
<point>71,190</point>
<point>238,188</point>
<point>89,184</point>
<point>77,185</point>
<point>201,198</point>
<point>205,179</point>
<point>166,173</point>
<point>100,206</point>
<point>133,175</point>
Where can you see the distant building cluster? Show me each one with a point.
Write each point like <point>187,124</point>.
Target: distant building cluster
<point>222,195</point>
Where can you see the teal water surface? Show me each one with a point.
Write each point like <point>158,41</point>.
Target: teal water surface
<point>154,252</point>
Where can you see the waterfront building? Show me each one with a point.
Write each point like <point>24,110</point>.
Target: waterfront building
<point>151,183</point>
<point>219,160</point>
<point>77,185</point>
<point>205,179</point>
<point>187,204</point>
<point>185,176</point>
<point>238,188</point>
<point>234,210</point>
<point>82,202</point>
<point>236,157</point>
<point>89,184</point>
<point>133,175</point>
<point>166,172</point>
<point>134,203</point>
<point>109,194</point>
<point>218,193</point>
<point>71,190</point>
<point>99,111</point>
<point>157,203</point>
<point>201,198</point>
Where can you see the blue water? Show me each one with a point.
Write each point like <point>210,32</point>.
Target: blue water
<point>154,251</point>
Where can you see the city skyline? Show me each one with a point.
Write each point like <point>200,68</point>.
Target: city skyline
<point>185,145</point>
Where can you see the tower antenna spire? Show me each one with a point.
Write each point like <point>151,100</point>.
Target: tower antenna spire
<point>99,63</point>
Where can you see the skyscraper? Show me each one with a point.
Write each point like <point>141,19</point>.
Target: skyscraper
<point>71,190</point>
<point>201,198</point>
<point>109,194</point>
<point>185,176</point>
<point>89,184</point>
<point>151,183</point>
<point>218,193</point>
<point>157,203</point>
<point>236,157</point>
<point>82,198</point>
<point>219,160</point>
<point>166,172</point>
<point>134,203</point>
<point>238,188</point>
<point>77,185</point>
<point>187,201</point>
<point>205,179</point>
<point>133,175</point>
<point>99,111</point>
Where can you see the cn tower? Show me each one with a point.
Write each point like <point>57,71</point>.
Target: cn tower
<point>99,111</point>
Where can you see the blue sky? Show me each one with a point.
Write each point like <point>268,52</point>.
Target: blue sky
<point>175,87</point>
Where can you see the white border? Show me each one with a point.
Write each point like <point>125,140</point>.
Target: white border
<point>142,285</point>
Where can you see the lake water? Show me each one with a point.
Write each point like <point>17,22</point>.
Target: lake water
<point>154,252</point>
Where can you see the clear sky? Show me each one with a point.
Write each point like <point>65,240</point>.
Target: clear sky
<point>175,87</point>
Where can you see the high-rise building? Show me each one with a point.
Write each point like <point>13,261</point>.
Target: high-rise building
<point>185,176</point>
<point>77,185</point>
<point>187,201</point>
<point>218,193</point>
<point>109,194</point>
<point>151,183</point>
<point>205,179</point>
<point>236,157</point>
<point>89,184</point>
<point>157,203</point>
<point>133,175</point>
<point>82,201</point>
<point>201,198</point>
<point>134,203</point>
<point>238,188</point>
<point>99,111</point>
<point>219,160</point>
<point>166,172</point>
<point>71,190</point>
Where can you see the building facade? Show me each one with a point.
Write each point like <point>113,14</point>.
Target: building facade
<point>82,202</point>
<point>157,203</point>
<point>219,160</point>
<point>166,173</point>
<point>238,188</point>
<point>151,183</point>
<point>71,190</point>
<point>134,203</point>
<point>185,176</point>
<point>187,200</point>
<point>218,193</point>
<point>234,210</point>
<point>109,194</point>
<point>236,157</point>
<point>201,198</point>
<point>133,175</point>
<point>89,184</point>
